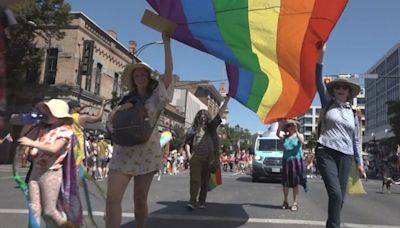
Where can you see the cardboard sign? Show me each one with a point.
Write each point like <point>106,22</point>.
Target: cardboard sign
<point>158,22</point>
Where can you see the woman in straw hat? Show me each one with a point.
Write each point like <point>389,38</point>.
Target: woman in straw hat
<point>292,161</point>
<point>48,152</point>
<point>140,161</point>
<point>338,140</point>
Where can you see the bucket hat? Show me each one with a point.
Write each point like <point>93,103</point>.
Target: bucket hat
<point>354,88</point>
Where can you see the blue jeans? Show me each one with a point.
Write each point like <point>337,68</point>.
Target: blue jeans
<point>334,168</point>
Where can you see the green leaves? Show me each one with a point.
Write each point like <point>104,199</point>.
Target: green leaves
<point>40,18</point>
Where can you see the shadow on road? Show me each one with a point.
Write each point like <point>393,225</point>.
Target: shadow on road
<point>176,214</point>
<point>259,180</point>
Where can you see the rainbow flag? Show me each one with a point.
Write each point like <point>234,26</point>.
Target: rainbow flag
<point>269,46</point>
<point>215,179</point>
<point>165,137</point>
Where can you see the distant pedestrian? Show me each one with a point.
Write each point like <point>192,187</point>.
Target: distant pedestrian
<point>292,161</point>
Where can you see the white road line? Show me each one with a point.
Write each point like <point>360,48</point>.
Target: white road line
<point>219,219</point>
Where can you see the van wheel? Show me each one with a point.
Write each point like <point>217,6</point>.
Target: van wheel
<point>254,179</point>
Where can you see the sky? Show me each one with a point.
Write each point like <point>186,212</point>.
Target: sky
<point>366,30</point>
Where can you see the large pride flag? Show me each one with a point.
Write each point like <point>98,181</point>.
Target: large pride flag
<point>269,46</point>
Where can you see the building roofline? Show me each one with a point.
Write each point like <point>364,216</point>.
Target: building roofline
<point>87,18</point>
<point>386,55</point>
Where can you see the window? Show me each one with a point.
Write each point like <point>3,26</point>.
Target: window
<point>88,83</point>
<point>380,86</point>
<point>270,145</point>
<point>360,101</point>
<point>115,83</point>
<point>393,78</point>
<point>51,66</point>
<point>392,61</point>
<point>381,69</point>
<point>98,79</point>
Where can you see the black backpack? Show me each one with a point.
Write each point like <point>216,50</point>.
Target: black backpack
<point>132,126</point>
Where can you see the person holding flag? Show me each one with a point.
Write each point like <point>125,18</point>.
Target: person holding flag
<point>338,139</point>
<point>201,144</point>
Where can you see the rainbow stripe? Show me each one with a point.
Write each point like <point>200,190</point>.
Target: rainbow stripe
<point>269,46</point>
<point>215,179</point>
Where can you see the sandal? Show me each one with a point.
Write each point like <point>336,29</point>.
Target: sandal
<point>285,205</point>
<point>294,207</point>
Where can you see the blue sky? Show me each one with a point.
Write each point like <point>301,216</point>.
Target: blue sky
<point>364,33</point>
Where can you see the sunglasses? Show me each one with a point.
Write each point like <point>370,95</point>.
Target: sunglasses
<point>344,87</point>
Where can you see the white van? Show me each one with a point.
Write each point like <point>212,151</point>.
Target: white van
<point>267,160</point>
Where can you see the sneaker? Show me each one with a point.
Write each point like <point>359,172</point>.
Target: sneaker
<point>285,205</point>
<point>202,206</point>
<point>294,207</point>
<point>190,206</point>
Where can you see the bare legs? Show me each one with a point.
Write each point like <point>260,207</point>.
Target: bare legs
<point>116,186</point>
<point>117,183</point>
<point>140,193</point>
<point>285,197</point>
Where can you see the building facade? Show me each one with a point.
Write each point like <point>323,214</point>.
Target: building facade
<point>379,92</point>
<point>192,96</point>
<point>86,64</point>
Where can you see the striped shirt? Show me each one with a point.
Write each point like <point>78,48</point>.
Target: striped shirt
<point>339,127</point>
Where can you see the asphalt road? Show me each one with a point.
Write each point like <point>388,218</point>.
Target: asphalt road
<point>236,203</point>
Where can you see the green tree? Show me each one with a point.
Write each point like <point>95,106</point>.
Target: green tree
<point>312,142</point>
<point>234,135</point>
<point>179,136</point>
<point>36,18</point>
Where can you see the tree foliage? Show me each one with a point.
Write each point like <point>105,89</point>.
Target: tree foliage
<point>36,18</point>
<point>179,136</point>
<point>235,136</point>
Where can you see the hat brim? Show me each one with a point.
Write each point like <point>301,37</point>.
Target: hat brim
<point>127,74</point>
<point>354,88</point>
<point>289,122</point>
<point>56,111</point>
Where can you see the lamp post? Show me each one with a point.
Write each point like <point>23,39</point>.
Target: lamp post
<point>137,52</point>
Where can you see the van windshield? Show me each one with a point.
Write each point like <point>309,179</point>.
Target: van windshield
<point>270,145</point>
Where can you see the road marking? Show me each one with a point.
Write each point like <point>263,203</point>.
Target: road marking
<point>218,219</point>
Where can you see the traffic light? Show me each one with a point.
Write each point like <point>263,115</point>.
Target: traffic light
<point>87,57</point>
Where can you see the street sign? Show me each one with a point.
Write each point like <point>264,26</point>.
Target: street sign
<point>87,57</point>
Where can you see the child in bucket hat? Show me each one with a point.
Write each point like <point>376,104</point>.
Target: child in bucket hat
<point>48,152</point>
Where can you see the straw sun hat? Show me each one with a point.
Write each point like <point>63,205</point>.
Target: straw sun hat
<point>354,88</point>
<point>127,79</point>
<point>58,108</point>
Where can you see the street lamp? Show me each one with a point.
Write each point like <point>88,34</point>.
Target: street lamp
<point>137,52</point>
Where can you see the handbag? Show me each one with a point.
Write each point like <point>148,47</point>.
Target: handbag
<point>132,126</point>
